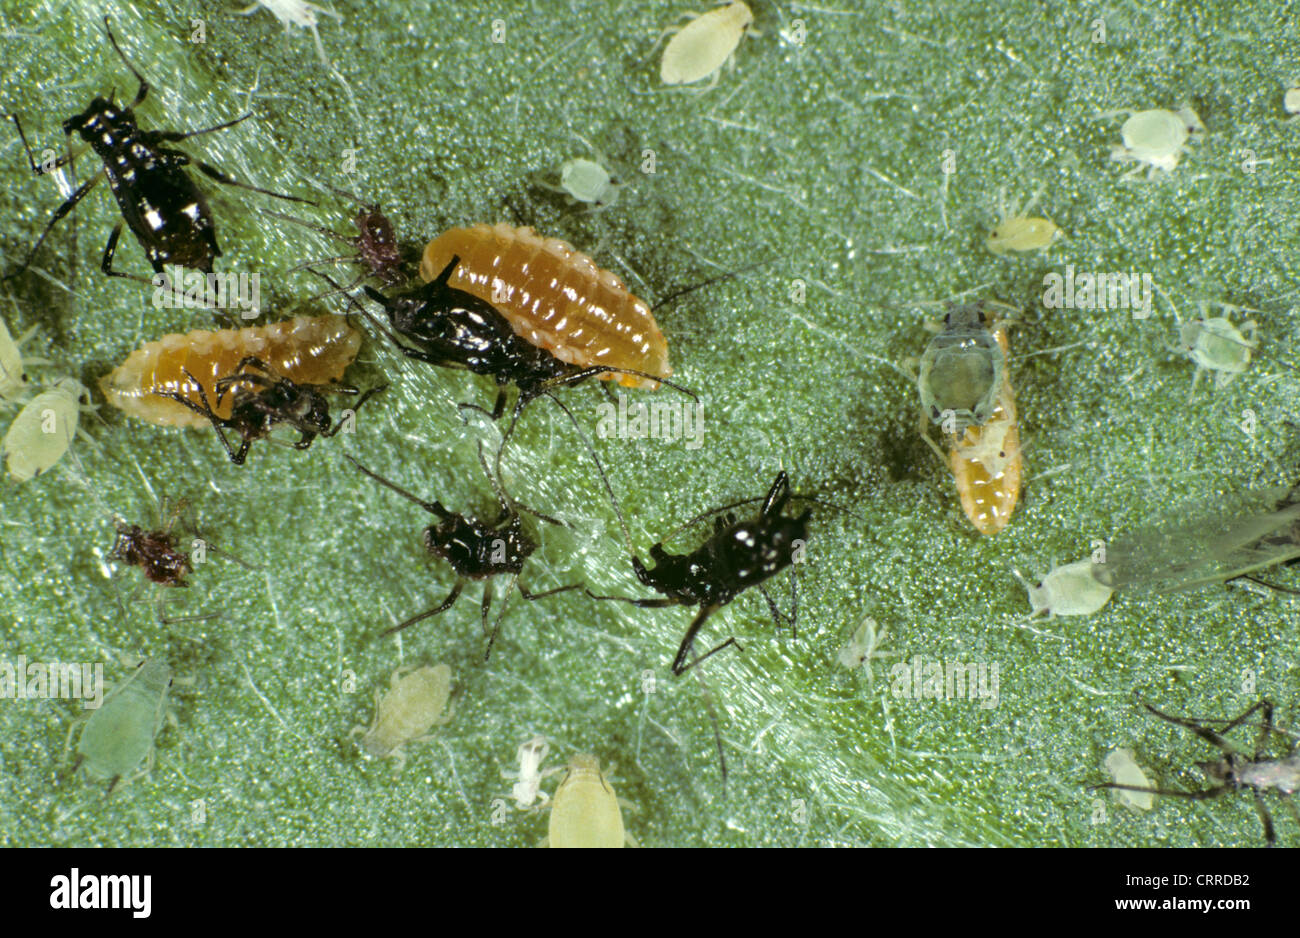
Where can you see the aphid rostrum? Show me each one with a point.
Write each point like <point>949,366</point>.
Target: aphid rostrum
<point>1234,771</point>
<point>262,401</point>
<point>586,811</point>
<point>308,350</point>
<point>415,702</point>
<point>160,203</point>
<point>555,298</point>
<point>699,49</point>
<point>43,430</point>
<point>120,734</point>
<point>738,555</point>
<point>475,551</point>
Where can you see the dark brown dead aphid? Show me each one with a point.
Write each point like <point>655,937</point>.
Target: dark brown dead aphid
<point>378,253</point>
<point>1234,771</point>
<point>154,552</point>
<point>266,402</point>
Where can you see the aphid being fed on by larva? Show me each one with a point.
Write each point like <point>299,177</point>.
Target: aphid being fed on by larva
<point>262,401</point>
<point>160,203</point>
<point>413,704</point>
<point>965,387</point>
<point>308,350</point>
<point>1070,589</point>
<point>699,49</point>
<point>44,429</point>
<point>1017,231</point>
<point>1124,771</point>
<point>585,811</point>
<point>1156,139</point>
<point>120,734</point>
<point>1234,770</point>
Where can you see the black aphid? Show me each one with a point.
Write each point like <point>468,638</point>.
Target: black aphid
<point>267,402</point>
<point>738,555</point>
<point>475,551</point>
<point>1235,771</point>
<point>160,203</point>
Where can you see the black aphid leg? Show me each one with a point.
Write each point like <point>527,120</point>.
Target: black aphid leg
<point>59,214</point>
<point>1209,735</point>
<point>654,602</point>
<point>1265,819</point>
<point>551,592</point>
<point>680,664</point>
<point>348,389</point>
<point>440,608</point>
<point>155,137</point>
<point>218,424</point>
<point>37,169</point>
<point>110,250</point>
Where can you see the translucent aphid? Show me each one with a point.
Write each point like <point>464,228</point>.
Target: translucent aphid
<point>585,811</point>
<point>1124,770</point>
<point>295,13</point>
<point>528,785</point>
<point>413,704</point>
<point>1156,139</point>
<point>1017,231</point>
<point>864,646</point>
<point>1216,345</point>
<point>1068,590</point>
<point>43,430</point>
<point>961,371</point>
<point>1236,535</point>
<point>587,181</point>
<point>1291,99</point>
<point>699,49</point>
<point>120,734</point>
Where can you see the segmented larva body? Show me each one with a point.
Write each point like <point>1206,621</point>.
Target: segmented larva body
<point>305,349</point>
<point>986,462</point>
<point>555,297</point>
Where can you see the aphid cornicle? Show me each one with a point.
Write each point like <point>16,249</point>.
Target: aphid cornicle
<point>160,203</point>
<point>738,555</point>
<point>267,401</point>
<point>413,704</point>
<point>43,430</point>
<point>1234,771</point>
<point>585,811</point>
<point>475,551</point>
<point>305,349</point>
<point>120,734</point>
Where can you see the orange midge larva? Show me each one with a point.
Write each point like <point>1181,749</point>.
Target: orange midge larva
<point>986,462</point>
<point>305,349</point>
<point>555,297</point>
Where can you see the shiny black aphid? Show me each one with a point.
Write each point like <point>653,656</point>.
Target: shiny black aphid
<point>738,555</point>
<point>475,550</point>
<point>160,203</point>
<point>269,401</point>
<point>1234,771</point>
